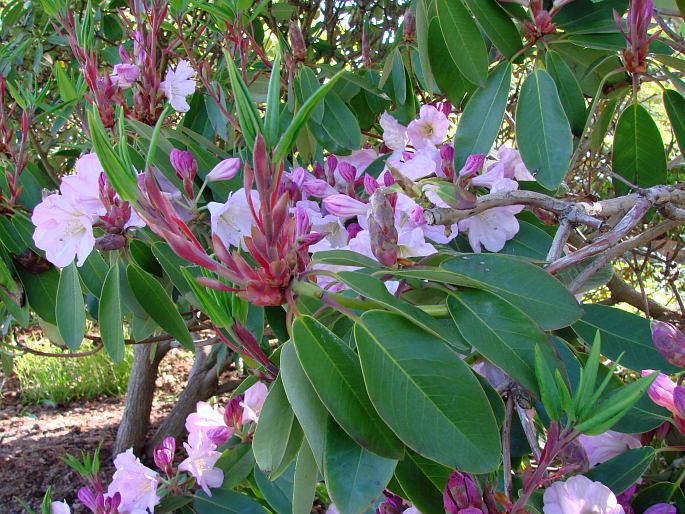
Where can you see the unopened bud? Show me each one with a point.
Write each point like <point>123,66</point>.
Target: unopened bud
<point>297,42</point>
<point>123,54</point>
<point>409,26</point>
<point>318,170</point>
<point>319,188</point>
<point>353,229</point>
<point>447,153</point>
<point>87,497</point>
<point>444,107</point>
<point>474,163</point>
<point>225,170</point>
<point>382,230</point>
<point>388,179</point>
<point>183,163</point>
<point>347,172</point>
<point>219,435</point>
<point>233,413</point>
<point>393,504</point>
<point>163,455</point>
<point>110,242</point>
<point>344,206</point>
<point>679,400</point>
<point>462,493</point>
<point>370,184</point>
<point>331,163</point>
<point>669,342</point>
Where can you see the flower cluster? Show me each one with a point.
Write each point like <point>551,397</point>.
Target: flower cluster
<point>137,489</point>
<point>65,221</point>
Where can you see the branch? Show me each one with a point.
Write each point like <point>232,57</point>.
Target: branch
<point>622,292</point>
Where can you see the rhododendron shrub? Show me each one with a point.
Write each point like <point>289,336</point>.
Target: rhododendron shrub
<point>434,245</point>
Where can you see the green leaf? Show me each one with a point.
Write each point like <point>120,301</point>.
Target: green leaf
<point>172,265</point>
<point>273,104</point>
<point>622,333</point>
<point>69,310</point>
<point>423,20</point>
<point>570,94</point>
<point>661,492</point>
<point>407,368</point>
<point>93,273</point>
<point>339,131</point>
<point>542,130</point>
<point>307,83</point>
<point>375,290</point>
<point>482,118</point>
<point>110,316</point>
<point>619,473</point>
<point>531,242</point>
<point>498,26</point>
<point>248,116</point>
<point>675,108</point>
<point>638,154</point>
<point>278,436</point>
<point>335,373</point>
<point>549,394</point>
<point>157,303</point>
<point>288,139</point>
<point>463,40</point>
<point>447,76</point>
<point>310,412</point>
<point>305,480</point>
<point>355,477</point>
<point>399,84</point>
<point>528,287</point>
<point>345,258</point>
<point>422,493</point>
<point>223,501</point>
<point>278,493</point>
<point>41,292</point>
<point>602,126</point>
<point>237,463</point>
<point>503,334</point>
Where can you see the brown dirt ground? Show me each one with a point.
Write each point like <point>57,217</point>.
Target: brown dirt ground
<point>34,438</point>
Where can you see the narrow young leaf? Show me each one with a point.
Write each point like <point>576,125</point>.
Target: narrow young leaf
<point>273,104</point>
<point>549,393</point>
<point>69,310</point>
<point>248,116</point>
<point>110,316</point>
<point>588,377</point>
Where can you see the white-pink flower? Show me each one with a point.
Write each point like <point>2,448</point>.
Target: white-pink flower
<point>202,457</point>
<point>178,84</point>
<point>208,422</point>
<point>394,133</point>
<point>225,170</point>
<point>580,495</point>
<point>419,166</point>
<point>124,75</point>
<point>63,230</point>
<point>345,206</point>
<point>136,483</point>
<point>514,167</point>
<point>252,403</point>
<point>233,220</point>
<point>83,188</point>
<point>60,508</point>
<point>601,448</point>
<point>429,129</point>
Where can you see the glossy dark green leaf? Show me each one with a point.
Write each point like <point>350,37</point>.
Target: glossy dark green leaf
<point>622,333</point>
<point>339,130</point>
<point>445,72</point>
<point>503,334</point>
<point>399,84</point>
<point>248,116</point>
<point>373,289</point>
<point>423,18</point>
<point>601,128</point>
<point>41,292</point>
<point>498,26</point>
<point>236,463</point>
<point>463,40</point>
<point>482,118</point>
<point>422,493</point>
<point>525,285</point>
<point>69,310</point>
<point>675,108</point>
<point>278,436</point>
<point>531,242</point>
<point>335,373</point>
<point>345,258</point>
<point>158,304</point>
<point>590,16</point>
<point>304,480</point>
<point>110,316</point>
<point>279,492</point>
<point>570,94</point>
<point>543,133</point>
<point>355,477</point>
<point>307,83</point>
<point>619,473</point>
<point>93,273</point>
<point>226,502</point>
<point>638,154</point>
<point>310,412</point>
<point>273,104</point>
<point>172,264</point>
<point>407,368</point>
<point>661,492</point>
<point>142,255</point>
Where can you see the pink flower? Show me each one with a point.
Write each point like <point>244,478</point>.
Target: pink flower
<point>601,448</point>
<point>233,220</point>
<point>225,170</point>
<point>60,508</point>
<point>316,187</point>
<point>63,230</point>
<point>177,85</point>
<point>429,129</point>
<point>332,509</point>
<point>83,188</point>
<point>422,164</point>
<point>494,227</point>
<point>125,75</point>
<point>202,457</point>
<point>661,391</point>
<point>137,484</point>
<point>411,242</point>
<point>513,164</point>
<point>345,206</point>
<point>662,508</point>
<point>253,401</point>
<point>394,133</point>
<point>208,422</point>
<point>580,495</point>
<point>669,342</point>
<point>360,159</point>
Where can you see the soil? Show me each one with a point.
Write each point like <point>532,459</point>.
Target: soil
<point>35,438</point>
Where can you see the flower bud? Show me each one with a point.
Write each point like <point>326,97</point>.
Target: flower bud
<point>225,170</point>
<point>474,163</point>
<point>110,242</point>
<point>344,206</point>
<point>382,230</point>
<point>297,42</point>
<point>164,455</point>
<point>318,171</point>
<point>233,413</point>
<point>679,400</point>
<point>184,163</point>
<point>347,172</point>
<point>87,497</point>
<point>444,107</point>
<point>124,75</point>
<point>318,188</point>
<point>388,179</point>
<point>393,504</point>
<point>331,163</point>
<point>219,435</point>
<point>123,54</point>
<point>461,494</point>
<point>409,26</point>
<point>447,153</point>
<point>669,342</point>
<point>370,184</point>
<point>662,508</point>
<point>353,229</point>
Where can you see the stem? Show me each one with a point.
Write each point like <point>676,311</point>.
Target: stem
<point>155,136</point>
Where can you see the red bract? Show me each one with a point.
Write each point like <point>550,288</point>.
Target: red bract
<point>639,17</point>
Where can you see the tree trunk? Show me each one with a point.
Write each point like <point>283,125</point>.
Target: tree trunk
<point>140,392</point>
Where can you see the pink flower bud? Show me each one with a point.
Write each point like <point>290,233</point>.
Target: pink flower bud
<point>124,75</point>
<point>219,435</point>
<point>110,242</point>
<point>123,54</point>
<point>370,184</point>
<point>447,153</point>
<point>318,188</point>
<point>669,342</point>
<point>344,206</point>
<point>184,163</point>
<point>87,497</point>
<point>318,171</point>
<point>444,107</point>
<point>474,163</point>
<point>388,179</point>
<point>393,504</point>
<point>331,163</point>
<point>409,26</point>
<point>353,229</point>
<point>164,455</point>
<point>679,400</point>
<point>382,230</point>
<point>225,170</point>
<point>462,495</point>
<point>347,172</point>
<point>662,508</point>
<point>297,42</point>
<point>302,223</point>
<point>233,413</point>
<point>661,390</point>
